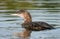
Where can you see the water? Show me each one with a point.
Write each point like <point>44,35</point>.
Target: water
<point>12,24</point>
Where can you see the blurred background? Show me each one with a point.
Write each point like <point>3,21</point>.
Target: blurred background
<point>41,10</point>
<point>50,5</point>
<point>29,4</point>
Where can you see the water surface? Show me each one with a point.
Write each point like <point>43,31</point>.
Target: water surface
<point>10,24</point>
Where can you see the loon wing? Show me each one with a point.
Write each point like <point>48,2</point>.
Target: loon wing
<point>36,26</point>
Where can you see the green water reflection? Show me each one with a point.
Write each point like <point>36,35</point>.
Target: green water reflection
<point>33,4</point>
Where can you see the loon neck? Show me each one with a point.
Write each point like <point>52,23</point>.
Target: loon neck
<point>27,18</point>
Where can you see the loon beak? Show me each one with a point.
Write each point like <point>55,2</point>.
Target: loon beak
<point>14,14</point>
<point>21,15</point>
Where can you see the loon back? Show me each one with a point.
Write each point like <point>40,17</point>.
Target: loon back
<point>37,26</point>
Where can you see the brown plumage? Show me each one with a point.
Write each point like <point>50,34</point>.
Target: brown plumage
<point>34,26</point>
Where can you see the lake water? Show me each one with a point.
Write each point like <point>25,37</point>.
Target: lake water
<point>12,24</point>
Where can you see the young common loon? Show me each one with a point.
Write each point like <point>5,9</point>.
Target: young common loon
<point>29,25</point>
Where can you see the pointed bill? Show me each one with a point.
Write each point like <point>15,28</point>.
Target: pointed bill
<point>14,14</point>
